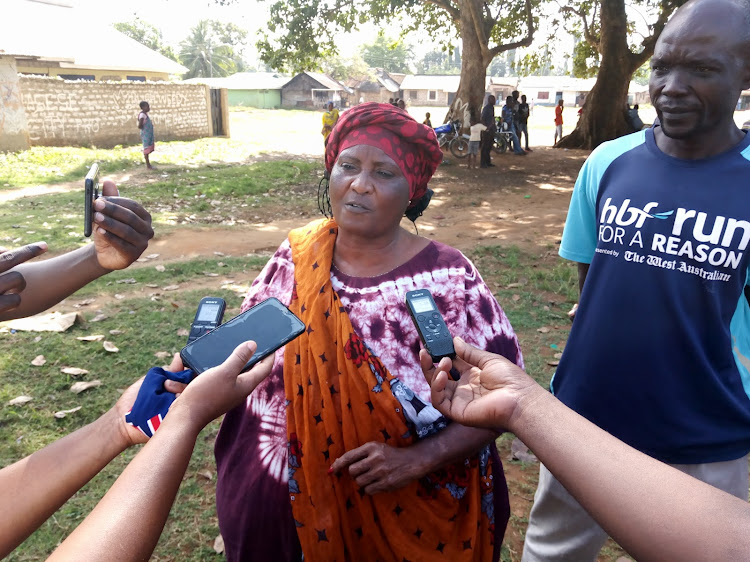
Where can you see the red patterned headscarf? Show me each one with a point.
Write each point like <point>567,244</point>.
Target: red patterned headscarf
<point>411,145</point>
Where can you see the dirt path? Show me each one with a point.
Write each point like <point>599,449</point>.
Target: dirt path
<point>522,201</point>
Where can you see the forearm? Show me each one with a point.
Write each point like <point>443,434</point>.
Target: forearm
<point>654,511</point>
<point>456,442</point>
<point>127,522</point>
<point>583,270</point>
<point>38,485</point>
<point>50,281</point>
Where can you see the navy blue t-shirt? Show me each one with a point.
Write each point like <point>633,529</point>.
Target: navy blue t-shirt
<point>659,353</point>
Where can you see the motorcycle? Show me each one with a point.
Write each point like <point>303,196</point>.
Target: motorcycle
<point>449,134</point>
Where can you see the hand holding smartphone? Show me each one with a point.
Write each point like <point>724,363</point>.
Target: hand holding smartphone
<point>91,194</point>
<point>269,324</point>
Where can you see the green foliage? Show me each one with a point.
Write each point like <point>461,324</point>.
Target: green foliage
<point>392,55</point>
<point>585,60</point>
<point>213,49</point>
<point>341,67</point>
<point>146,34</point>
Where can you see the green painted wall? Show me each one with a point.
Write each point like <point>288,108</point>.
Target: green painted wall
<point>263,99</point>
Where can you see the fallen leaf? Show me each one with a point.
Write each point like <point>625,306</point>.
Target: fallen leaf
<point>38,361</point>
<point>162,354</point>
<point>129,281</point>
<point>183,333</point>
<point>37,339</point>
<point>116,332</point>
<point>53,322</point>
<point>84,303</point>
<point>20,400</point>
<point>219,545</point>
<point>62,413</point>
<point>119,297</point>
<point>218,253</point>
<point>171,288</point>
<point>74,371</point>
<point>554,363</point>
<point>519,451</point>
<point>152,256</point>
<point>99,317</point>
<point>109,346</point>
<point>516,298</point>
<point>210,274</point>
<point>97,337</point>
<point>221,264</point>
<point>557,355</point>
<point>152,285</point>
<point>513,285</point>
<point>207,474</point>
<point>156,298</point>
<point>80,386</point>
<point>160,268</point>
<point>543,329</point>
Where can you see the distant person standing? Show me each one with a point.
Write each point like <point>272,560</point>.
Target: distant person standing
<point>488,120</point>
<point>427,120</point>
<point>475,138</point>
<point>147,132</point>
<point>523,120</point>
<point>401,104</point>
<point>330,118</point>
<point>558,121</point>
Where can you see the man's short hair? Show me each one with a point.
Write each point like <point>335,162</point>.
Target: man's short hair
<point>143,104</point>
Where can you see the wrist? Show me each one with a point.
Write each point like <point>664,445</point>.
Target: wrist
<point>91,259</point>
<point>113,426</point>
<point>530,403</point>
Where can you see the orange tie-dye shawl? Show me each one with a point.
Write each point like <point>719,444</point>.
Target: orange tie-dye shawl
<point>339,398</point>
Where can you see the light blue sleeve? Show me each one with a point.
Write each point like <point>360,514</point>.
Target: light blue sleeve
<point>579,236</point>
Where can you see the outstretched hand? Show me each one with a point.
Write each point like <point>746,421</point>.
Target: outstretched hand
<point>12,282</point>
<point>488,392</point>
<point>122,229</point>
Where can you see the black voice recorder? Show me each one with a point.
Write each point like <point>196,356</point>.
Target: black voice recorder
<point>430,324</point>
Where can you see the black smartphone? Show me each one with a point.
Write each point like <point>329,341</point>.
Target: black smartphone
<point>269,324</point>
<point>432,329</point>
<point>208,317</point>
<point>90,193</point>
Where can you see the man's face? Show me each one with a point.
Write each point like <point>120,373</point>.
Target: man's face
<point>698,71</point>
<point>491,100</point>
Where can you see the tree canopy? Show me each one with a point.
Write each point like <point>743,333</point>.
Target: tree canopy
<point>213,49</point>
<point>146,34</point>
<point>392,55</point>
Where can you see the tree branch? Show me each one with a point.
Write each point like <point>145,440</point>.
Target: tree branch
<point>478,21</point>
<point>525,42</point>
<point>667,8</point>
<point>447,6</point>
<point>587,33</point>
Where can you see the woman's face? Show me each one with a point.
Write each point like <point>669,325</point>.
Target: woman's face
<point>369,193</point>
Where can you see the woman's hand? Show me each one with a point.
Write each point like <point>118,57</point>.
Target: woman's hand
<point>122,229</point>
<point>488,394</point>
<point>377,467</point>
<point>13,282</point>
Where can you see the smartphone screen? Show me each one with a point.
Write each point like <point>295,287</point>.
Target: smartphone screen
<point>269,324</point>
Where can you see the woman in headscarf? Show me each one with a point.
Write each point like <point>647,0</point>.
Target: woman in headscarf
<point>339,454</point>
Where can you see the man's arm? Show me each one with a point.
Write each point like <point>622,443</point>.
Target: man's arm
<point>583,270</point>
<point>653,510</point>
<point>39,484</point>
<point>122,229</point>
<point>126,524</point>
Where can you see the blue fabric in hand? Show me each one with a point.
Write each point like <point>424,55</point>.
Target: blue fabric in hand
<point>153,401</point>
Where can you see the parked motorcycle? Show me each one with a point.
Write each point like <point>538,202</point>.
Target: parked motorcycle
<point>449,135</point>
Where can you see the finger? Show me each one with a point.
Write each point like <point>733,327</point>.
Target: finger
<point>109,189</point>
<point>174,387</point>
<point>428,367</point>
<point>121,220</point>
<point>239,358</point>
<point>106,203</point>
<point>254,376</point>
<point>472,355</point>
<point>12,282</point>
<point>350,457</point>
<point>9,302</point>
<point>9,260</point>
<point>176,365</point>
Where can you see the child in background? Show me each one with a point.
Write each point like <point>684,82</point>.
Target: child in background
<point>427,120</point>
<point>147,132</point>
<point>476,135</point>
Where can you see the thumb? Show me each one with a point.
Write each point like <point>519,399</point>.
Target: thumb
<point>239,358</point>
<point>109,189</point>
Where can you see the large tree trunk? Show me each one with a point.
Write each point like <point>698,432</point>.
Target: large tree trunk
<point>470,95</point>
<point>604,112</point>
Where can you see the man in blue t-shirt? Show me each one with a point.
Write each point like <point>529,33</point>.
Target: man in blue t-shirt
<point>659,351</point>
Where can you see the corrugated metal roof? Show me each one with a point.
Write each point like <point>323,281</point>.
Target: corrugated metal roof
<point>53,32</point>
<point>327,82</point>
